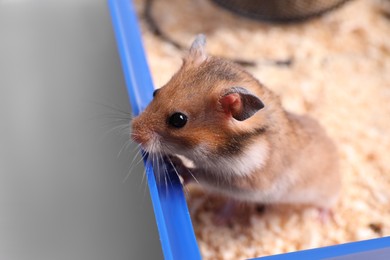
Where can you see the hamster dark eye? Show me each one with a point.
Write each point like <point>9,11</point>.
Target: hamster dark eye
<point>155,92</point>
<point>177,120</point>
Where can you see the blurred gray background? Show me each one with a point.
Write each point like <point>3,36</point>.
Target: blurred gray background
<point>62,188</point>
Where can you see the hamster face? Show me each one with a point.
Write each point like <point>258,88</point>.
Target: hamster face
<point>183,114</point>
<point>192,115</point>
<point>205,111</point>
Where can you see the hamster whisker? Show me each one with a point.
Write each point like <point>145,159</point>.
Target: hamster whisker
<point>142,182</point>
<point>107,121</point>
<point>156,167</point>
<point>114,108</point>
<point>137,148</point>
<point>132,164</point>
<point>166,184</point>
<point>111,126</point>
<point>115,129</point>
<point>115,117</point>
<point>173,166</point>
<point>185,189</point>
<point>159,172</point>
<point>158,164</point>
<point>189,171</point>
<point>166,170</point>
<point>125,146</point>
<point>143,176</point>
<point>152,157</point>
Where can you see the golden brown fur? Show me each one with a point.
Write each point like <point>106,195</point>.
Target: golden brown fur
<point>297,161</point>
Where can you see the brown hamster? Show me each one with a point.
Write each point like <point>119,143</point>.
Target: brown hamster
<point>236,135</point>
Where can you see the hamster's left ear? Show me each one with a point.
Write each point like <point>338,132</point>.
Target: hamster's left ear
<point>240,103</point>
<point>197,53</point>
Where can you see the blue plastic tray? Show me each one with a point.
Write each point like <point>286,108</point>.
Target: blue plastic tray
<point>170,208</point>
<point>173,220</point>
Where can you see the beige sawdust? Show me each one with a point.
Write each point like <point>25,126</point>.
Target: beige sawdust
<point>340,75</point>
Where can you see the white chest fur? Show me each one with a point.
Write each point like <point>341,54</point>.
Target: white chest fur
<point>252,158</point>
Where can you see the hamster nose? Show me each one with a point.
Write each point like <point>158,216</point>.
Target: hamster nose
<point>137,132</point>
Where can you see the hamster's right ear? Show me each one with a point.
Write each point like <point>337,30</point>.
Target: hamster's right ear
<point>197,53</point>
<point>240,103</point>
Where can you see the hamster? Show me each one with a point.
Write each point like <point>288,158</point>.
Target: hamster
<point>235,138</point>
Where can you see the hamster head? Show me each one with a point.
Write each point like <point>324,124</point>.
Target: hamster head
<point>208,108</point>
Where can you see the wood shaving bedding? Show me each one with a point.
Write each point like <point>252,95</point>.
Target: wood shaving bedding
<point>340,74</point>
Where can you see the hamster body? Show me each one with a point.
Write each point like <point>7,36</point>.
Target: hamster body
<point>238,138</point>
